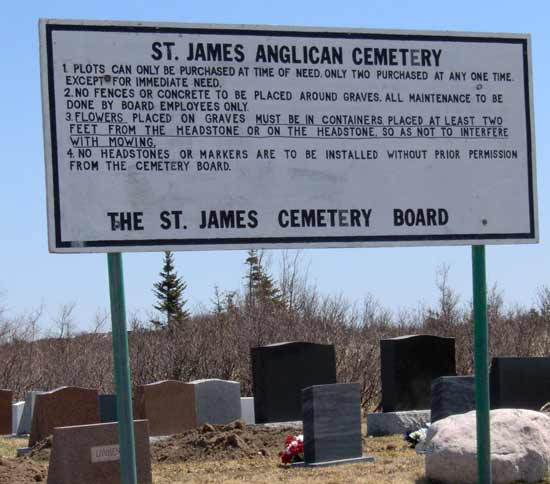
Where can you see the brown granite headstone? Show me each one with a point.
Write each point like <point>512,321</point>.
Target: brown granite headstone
<point>6,397</point>
<point>63,407</point>
<point>169,406</point>
<point>89,454</point>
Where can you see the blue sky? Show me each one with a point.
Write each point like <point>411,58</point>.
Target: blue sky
<point>397,277</point>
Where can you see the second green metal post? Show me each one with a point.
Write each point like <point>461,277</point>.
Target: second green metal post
<point>122,371</point>
<point>481,360</point>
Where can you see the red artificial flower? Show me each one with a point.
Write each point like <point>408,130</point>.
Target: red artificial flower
<point>286,457</point>
<point>294,450</point>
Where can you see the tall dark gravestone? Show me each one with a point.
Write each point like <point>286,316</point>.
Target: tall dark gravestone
<point>6,401</point>
<point>281,371</point>
<point>520,382</point>
<point>409,364</point>
<point>332,422</point>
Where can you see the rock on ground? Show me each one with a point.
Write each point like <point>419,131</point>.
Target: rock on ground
<point>520,447</point>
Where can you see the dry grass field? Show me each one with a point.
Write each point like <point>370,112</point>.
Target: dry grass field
<point>395,463</point>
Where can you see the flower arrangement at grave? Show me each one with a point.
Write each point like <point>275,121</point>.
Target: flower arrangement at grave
<point>418,436</point>
<point>294,450</point>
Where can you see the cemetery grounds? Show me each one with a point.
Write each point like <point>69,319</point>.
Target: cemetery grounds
<point>237,454</point>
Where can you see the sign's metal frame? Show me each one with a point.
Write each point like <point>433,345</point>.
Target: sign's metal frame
<point>59,244</point>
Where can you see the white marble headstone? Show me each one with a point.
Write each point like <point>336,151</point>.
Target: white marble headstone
<point>247,410</point>
<point>16,414</point>
<point>26,418</point>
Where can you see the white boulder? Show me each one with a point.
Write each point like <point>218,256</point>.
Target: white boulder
<point>520,447</point>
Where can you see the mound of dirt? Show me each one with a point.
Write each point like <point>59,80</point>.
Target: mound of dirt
<point>41,450</point>
<point>220,442</point>
<point>210,442</point>
<point>22,471</point>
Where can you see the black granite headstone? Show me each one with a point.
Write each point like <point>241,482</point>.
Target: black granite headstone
<point>452,395</point>
<point>520,382</point>
<point>408,366</point>
<point>281,371</point>
<point>332,422</point>
<point>107,408</point>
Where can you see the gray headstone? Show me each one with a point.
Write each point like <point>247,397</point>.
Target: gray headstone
<point>520,382</point>
<point>408,366</point>
<point>391,423</point>
<point>332,422</point>
<point>107,408</point>
<point>26,418</point>
<point>452,395</point>
<point>247,410</point>
<point>16,413</point>
<point>217,401</point>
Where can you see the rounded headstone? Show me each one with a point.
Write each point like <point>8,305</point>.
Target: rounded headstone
<point>63,407</point>
<point>169,406</point>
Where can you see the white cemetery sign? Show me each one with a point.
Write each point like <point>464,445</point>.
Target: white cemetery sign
<point>179,136</point>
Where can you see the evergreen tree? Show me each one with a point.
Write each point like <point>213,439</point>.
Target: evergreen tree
<point>218,302</point>
<point>261,288</point>
<point>169,293</point>
<point>224,302</point>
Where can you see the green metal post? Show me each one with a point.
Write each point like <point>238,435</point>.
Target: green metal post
<point>122,371</point>
<point>481,359</point>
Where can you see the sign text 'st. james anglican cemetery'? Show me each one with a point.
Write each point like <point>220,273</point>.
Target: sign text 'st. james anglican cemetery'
<point>210,136</point>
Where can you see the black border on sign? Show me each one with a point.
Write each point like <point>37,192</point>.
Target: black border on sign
<point>59,243</point>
